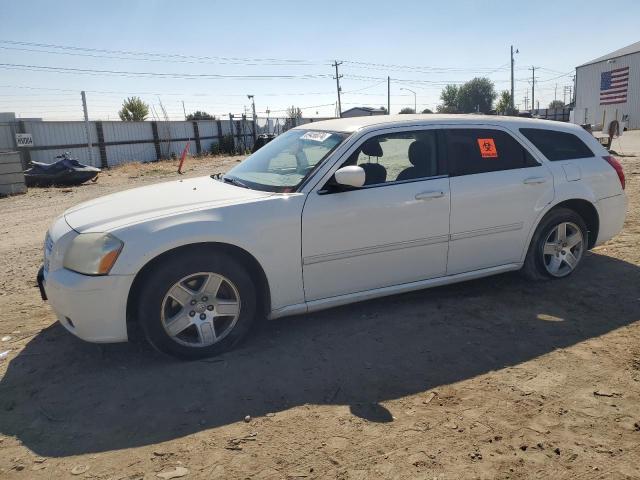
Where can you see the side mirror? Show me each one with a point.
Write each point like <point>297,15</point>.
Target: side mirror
<point>350,176</point>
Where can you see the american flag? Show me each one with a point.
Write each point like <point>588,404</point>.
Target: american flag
<point>613,86</point>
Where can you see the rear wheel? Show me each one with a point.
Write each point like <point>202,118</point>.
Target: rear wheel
<point>197,304</point>
<point>557,247</point>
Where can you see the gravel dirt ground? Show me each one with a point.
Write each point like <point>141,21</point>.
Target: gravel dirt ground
<point>495,378</point>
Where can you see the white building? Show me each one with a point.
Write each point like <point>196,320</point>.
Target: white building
<point>609,88</point>
<point>363,112</point>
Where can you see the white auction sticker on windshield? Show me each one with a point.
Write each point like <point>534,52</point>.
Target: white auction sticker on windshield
<point>315,136</point>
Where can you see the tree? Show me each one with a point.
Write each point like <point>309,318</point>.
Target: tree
<point>477,95</point>
<point>294,112</point>
<point>449,97</point>
<point>133,110</point>
<point>407,110</point>
<point>504,104</point>
<point>199,115</point>
<point>427,110</point>
<point>384,109</point>
<point>556,104</point>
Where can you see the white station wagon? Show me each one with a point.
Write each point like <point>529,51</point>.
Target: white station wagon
<point>327,214</point>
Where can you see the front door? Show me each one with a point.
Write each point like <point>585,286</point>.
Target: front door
<point>392,231</point>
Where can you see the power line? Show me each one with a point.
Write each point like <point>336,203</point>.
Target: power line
<point>137,59</point>
<point>158,74</point>
<point>243,61</point>
<point>150,54</point>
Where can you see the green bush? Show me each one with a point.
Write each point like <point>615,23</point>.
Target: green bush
<point>226,144</point>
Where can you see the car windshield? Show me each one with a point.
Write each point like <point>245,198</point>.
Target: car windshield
<point>285,162</point>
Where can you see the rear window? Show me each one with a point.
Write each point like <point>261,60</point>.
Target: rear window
<point>557,145</point>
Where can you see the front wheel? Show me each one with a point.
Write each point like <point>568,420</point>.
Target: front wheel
<point>197,304</point>
<point>557,247</point>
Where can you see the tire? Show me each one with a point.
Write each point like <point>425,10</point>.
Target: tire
<point>181,315</point>
<point>539,265</point>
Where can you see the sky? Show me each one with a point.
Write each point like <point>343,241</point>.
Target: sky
<point>211,55</point>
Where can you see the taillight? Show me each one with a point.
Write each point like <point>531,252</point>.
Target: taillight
<point>617,166</point>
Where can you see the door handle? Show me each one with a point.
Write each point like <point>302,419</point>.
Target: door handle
<point>534,180</point>
<point>429,195</point>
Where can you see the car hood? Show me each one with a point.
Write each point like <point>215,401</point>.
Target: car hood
<point>154,201</point>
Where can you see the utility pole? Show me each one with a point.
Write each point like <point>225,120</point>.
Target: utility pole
<point>526,100</point>
<point>388,95</point>
<point>571,92</point>
<point>338,77</point>
<point>533,86</point>
<point>184,111</point>
<point>268,127</point>
<point>555,93</point>
<point>253,109</point>
<point>512,62</point>
<point>86,126</point>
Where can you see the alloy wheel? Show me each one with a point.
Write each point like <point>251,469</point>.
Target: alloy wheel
<point>563,249</point>
<point>200,309</point>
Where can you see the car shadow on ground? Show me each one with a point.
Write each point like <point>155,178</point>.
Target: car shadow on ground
<point>61,396</point>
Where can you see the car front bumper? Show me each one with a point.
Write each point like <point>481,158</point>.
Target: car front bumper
<point>92,308</point>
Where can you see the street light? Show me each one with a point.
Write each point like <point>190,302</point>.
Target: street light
<point>415,102</point>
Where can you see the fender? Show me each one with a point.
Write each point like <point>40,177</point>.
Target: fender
<point>569,191</point>
<point>273,240</point>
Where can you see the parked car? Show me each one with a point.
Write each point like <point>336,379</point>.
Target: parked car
<point>329,214</point>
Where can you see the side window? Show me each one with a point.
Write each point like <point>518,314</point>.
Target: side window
<point>396,157</point>
<point>557,145</point>
<point>480,150</point>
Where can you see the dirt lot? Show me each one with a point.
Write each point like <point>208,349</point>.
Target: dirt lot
<point>496,378</point>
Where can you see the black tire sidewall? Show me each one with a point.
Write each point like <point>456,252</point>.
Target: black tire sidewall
<point>548,223</point>
<point>165,274</point>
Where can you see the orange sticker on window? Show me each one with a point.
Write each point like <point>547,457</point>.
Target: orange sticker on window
<point>487,148</point>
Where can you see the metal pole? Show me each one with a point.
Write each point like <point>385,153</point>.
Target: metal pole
<point>86,126</point>
<point>338,77</point>
<point>388,95</point>
<point>253,109</point>
<point>533,86</point>
<point>512,77</point>
<point>268,126</point>
<point>233,140</point>
<point>415,99</point>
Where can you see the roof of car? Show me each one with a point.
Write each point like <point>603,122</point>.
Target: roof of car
<point>353,124</point>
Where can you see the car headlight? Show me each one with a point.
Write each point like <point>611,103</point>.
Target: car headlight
<point>92,253</point>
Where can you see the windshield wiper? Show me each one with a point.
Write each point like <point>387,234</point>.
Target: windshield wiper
<point>235,181</point>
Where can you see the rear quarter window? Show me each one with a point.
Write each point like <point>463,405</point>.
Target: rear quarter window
<point>556,145</point>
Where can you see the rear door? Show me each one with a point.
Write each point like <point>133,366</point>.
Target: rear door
<point>497,191</point>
